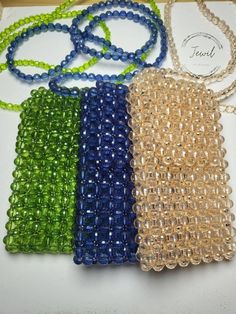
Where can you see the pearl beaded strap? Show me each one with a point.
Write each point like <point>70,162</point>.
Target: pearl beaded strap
<point>216,21</point>
<point>224,93</point>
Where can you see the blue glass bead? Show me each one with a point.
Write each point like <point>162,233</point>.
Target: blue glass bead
<point>75,92</point>
<point>123,15</point>
<point>30,32</point>
<point>83,13</point>
<point>136,18</point>
<point>91,77</point>
<point>130,15</point>
<point>44,27</point>
<point>108,4</point>
<point>115,57</point>
<point>113,77</point>
<point>9,56</point>
<point>104,221</point>
<point>24,36</point>
<point>36,30</point>
<point>115,13</point>
<point>77,76</point>
<point>37,77</point>
<point>51,27</point>
<point>58,27</point>
<point>51,72</point>
<point>16,71</point>
<point>68,58</point>
<point>63,63</point>
<point>29,78</point>
<point>58,68</point>
<point>84,76</point>
<point>107,55</point>
<point>65,28</point>
<point>65,91</point>
<point>99,77</point>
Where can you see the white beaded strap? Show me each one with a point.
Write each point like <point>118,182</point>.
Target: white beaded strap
<point>227,108</point>
<point>222,25</point>
<point>229,34</point>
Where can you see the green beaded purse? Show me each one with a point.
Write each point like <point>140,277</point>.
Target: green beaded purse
<point>42,204</point>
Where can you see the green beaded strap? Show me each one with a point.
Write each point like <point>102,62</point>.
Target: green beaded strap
<point>42,204</point>
<point>9,34</point>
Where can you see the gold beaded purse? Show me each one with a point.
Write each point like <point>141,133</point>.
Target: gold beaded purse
<point>181,186</point>
<point>182,196</point>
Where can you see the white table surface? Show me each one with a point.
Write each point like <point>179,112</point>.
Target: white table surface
<point>40,284</point>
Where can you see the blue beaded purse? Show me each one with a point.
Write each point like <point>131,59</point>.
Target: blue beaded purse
<point>104,225</point>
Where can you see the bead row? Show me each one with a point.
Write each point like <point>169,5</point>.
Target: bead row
<point>115,53</point>
<point>25,36</point>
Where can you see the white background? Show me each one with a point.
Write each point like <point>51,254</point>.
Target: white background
<point>40,284</point>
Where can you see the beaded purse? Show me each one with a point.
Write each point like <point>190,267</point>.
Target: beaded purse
<point>182,196</point>
<point>105,229</point>
<point>42,204</point>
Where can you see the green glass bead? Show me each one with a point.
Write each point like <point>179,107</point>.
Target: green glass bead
<point>42,204</point>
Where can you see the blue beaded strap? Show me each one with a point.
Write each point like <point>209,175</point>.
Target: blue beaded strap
<point>104,231</point>
<point>115,53</point>
<point>77,34</point>
<point>25,36</point>
<point>75,91</point>
<point>79,37</point>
